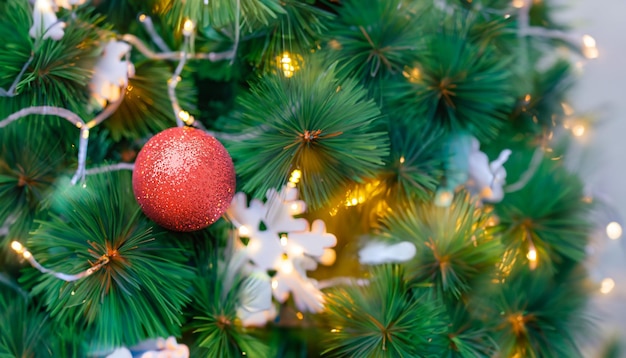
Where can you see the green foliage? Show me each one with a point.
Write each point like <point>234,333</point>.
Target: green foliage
<point>375,41</point>
<point>386,318</point>
<point>29,165</point>
<point>16,44</point>
<point>413,169</point>
<point>454,247</point>
<point>146,108</point>
<point>126,300</point>
<point>313,122</point>
<point>297,31</point>
<point>542,110</point>
<point>548,213</point>
<point>253,14</point>
<point>27,332</point>
<point>536,315</point>
<point>216,299</point>
<point>467,336</point>
<point>455,85</point>
<point>61,70</point>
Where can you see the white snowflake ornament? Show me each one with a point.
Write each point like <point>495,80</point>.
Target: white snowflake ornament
<point>286,245</point>
<point>487,179</point>
<point>122,352</point>
<point>377,252</point>
<point>45,22</point>
<point>111,72</point>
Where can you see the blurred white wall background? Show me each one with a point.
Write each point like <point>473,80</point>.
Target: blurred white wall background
<point>601,90</point>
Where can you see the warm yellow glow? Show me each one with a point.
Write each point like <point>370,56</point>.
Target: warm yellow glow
<point>328,257</point>
<point>578,130</point>
<point>335,330</point>
<point>402,159</point>
<point>527,98</point>
<point>288,64</point>
<point>607,285</point>
<point>85,133</point>
<point>286,266</point>
<point>413,74</point>
<point>15,245</point>
<point>185,117</point>
<point>244,231</point>
<point>444,198</point>
<point>27,255</point>
<point>567,109</point>
<point>142,17</point>
<point>283,240</point>
<point>614,230</point>
<point>532,255</point>
<point>518,3</point>
<point>188,27</point>
<point>44,5</point>
<point>589,47</point>
<point>295,176</point>
<point>299,315</point>
<point>274,284</point>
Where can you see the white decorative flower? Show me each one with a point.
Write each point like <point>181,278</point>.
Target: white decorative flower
<point>167,348</point>
<point>111,72</point>
<point>153,348</point>
<point>279,242</point>
<point>122,352</point>
<point>378,252</point>
<point>256,299</point>
<point>45,22</point>
<point>487,179</point>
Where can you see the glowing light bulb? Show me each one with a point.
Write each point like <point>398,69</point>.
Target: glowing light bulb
<point>518,4</point>
<point>15,245</point>
<point>607,285</point>
<point>244,231</point>
<point>412,74</point>
<point>614,230</point>
<point>274,284</point>
<point>532,255</point>
<point>287,64</point>
<point>335,330</point>
<point>185,117</point>
<point>27,255</point>
<point>295,176</point>
<point>188,27</point>
<point>300,315</point>
<point>402,159</point>
<point>283,240</point>
<point>589,47</point>
<point>286,266</point>
<point>142,17</point>
<point>578,130</point>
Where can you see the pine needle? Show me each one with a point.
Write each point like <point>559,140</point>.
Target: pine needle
<point>125,301</point>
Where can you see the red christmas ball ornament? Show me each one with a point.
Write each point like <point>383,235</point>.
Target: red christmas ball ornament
<point>184,179</point>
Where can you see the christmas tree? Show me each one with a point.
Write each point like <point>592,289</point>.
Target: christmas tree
<point>264,178</point>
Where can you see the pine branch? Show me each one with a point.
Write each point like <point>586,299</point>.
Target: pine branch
<point>384,319</point>
<point>316,123</point>
<point>548,213</point>
<point>455,85</point>
<point>455,251</point>
<point>123,302</point>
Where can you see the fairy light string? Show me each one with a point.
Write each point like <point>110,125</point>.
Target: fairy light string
<point>28,256</point>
